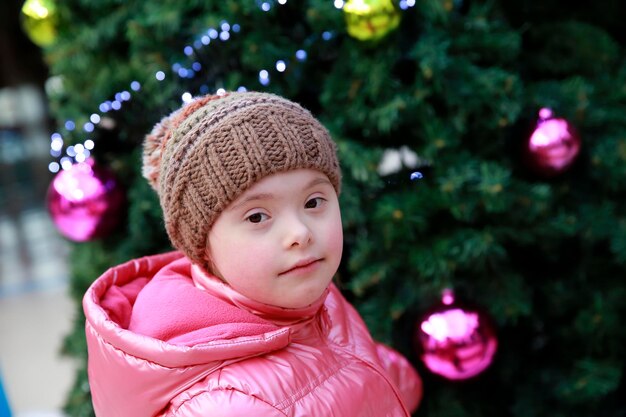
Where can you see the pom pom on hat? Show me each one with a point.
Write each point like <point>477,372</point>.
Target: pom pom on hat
<point>152,151</point>
<point>203,156</point>
<point>155,141</point>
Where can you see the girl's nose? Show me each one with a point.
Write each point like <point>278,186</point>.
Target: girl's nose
<point>297,233</point>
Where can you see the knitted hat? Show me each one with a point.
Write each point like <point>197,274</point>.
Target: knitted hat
<point>203,156</point>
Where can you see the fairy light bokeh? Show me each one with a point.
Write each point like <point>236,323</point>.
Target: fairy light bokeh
<point>77,153</point>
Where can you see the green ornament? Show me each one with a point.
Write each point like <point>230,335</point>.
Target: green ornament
<point>370,19</point>
<point>39,21</point>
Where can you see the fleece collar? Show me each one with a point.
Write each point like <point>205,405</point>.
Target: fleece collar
<point>279,316</point>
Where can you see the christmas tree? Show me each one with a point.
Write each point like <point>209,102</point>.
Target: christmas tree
<point>434,106</point>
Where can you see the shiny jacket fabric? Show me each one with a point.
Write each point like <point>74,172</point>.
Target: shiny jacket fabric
<point>320,361</point>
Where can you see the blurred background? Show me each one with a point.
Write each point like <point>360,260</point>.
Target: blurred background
<point>35,308</point>
<point>483,148</point>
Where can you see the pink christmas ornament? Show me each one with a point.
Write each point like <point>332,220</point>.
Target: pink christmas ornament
<point>85,201</point>
<point>553,145</point>
<point>455,341</point>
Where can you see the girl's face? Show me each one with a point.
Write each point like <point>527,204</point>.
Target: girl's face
<point>280,242</point>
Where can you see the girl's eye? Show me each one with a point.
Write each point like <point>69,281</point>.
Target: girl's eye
<point>257,217</point>
<point>314,203</point>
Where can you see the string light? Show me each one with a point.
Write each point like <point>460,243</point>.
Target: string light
<point>56,145</point>
<point>81,152</point>
<point>264,77</point>
<point>66,162</point>
<point>301,55</point>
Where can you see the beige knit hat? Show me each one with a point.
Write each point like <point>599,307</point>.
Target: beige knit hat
<point>204,155</point>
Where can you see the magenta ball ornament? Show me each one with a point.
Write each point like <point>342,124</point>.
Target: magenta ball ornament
<point>553,145</point>
<point>455,341</point>
<point>85,201</point>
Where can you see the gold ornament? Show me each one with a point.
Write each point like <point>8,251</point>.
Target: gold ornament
<point>38,20</point>
<point>370,19</point>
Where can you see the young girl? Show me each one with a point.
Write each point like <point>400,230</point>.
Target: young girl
<point>243,319</point>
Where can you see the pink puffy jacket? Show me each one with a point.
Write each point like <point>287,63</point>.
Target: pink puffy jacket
<point>166,339</point>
